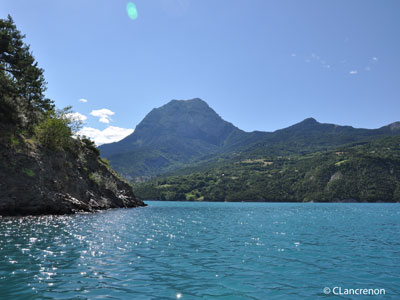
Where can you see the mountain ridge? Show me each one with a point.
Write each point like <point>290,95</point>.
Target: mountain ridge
<point>183,132</point>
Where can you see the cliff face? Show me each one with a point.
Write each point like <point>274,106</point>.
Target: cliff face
<point>35,180</point>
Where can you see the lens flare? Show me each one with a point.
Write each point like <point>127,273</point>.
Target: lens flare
<point>131,10</point>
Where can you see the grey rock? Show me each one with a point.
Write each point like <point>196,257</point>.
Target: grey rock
<point>36,181</point>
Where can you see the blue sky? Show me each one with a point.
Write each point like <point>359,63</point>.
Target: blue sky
<point>262,65</point>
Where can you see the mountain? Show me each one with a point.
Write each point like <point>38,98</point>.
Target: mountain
<point>188,134</point>
<point>310,136</point>
<point>170,136</point>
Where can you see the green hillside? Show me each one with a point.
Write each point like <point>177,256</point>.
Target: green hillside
<point>369,172</point>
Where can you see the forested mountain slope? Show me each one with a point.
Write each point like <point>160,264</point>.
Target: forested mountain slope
<point>185,135</point>
<point>369,172</point>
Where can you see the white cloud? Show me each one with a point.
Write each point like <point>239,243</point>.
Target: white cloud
<point>375,59</point>
<point>83,100</point>
<point>104,115</point>
<point>77,116</point>
<point>109,135</point>
<point>293,55</point>
<point>353,72</point>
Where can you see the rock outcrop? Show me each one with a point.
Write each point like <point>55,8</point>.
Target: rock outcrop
<point>35,180</point>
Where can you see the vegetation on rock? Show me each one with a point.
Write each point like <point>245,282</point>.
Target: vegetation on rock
<point>44,168</point>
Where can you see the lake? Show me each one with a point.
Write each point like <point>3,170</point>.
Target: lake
<point>186,250</point>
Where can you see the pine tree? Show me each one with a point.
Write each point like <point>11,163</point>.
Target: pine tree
<point>22,84</point>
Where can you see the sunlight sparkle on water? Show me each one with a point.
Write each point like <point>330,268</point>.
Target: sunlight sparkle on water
<point>49,256</point>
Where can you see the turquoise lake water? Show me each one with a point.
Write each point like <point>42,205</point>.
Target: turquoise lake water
<point>184,250</point>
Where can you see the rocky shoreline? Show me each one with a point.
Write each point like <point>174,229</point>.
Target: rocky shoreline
<point>36,181</point>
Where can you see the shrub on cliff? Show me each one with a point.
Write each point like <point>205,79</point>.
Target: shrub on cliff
<point>56,128</point>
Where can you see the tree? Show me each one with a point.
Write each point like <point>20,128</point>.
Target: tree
<point>22,84</point>
<point>57,127</point>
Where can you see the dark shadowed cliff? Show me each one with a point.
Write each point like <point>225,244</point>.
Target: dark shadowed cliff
<point>35,180</point>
